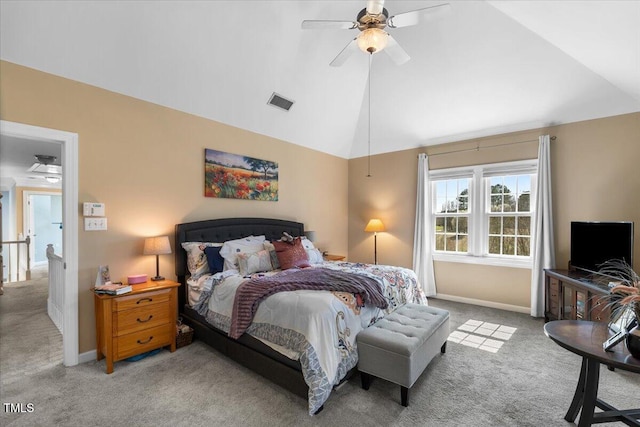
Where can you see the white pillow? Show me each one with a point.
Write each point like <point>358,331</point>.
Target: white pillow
<point>254,263</point>
<point>307,244</point>
<point>315,256</point>
<point>231,249</point>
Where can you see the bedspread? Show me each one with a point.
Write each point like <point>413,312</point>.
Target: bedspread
<point>318,328</point>
<point>251,293</point>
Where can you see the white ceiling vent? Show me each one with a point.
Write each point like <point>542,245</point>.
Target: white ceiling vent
<point>280,102</point>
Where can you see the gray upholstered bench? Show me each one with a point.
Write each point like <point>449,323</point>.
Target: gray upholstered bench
<point>399,346</point>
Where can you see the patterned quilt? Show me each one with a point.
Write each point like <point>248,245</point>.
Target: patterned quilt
<point>318,328</point>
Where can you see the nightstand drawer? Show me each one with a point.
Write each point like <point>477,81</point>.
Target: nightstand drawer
<point>142,300</point>
<point>140,342</point>
<point>128,321</point>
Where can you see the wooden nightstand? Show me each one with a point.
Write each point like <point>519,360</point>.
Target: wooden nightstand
<point>136,322</point>
<point>329,257</point>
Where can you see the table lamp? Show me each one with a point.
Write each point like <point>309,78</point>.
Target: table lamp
<point>157,246</point>
<point>375,225</point>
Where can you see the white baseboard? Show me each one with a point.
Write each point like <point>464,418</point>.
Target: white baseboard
<point>483,303</point>
<point>89,356</point>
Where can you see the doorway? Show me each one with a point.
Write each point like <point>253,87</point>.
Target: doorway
<point>43,224</point>
<point>69,142</point>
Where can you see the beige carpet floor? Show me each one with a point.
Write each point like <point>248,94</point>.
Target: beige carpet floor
<point>529,381</point>
<point>29,340</point>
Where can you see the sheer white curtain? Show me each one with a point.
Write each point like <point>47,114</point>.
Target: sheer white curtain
<point>422,254</point>
<point>544,251</point>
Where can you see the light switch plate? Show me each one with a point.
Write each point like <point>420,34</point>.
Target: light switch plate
<point>95,224</point>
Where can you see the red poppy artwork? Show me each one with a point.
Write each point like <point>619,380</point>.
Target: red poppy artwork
<point>233,176</point>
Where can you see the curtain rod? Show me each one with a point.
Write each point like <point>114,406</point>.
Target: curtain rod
<point>478,147</point>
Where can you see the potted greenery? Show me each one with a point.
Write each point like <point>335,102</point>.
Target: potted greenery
<point>623,299</point>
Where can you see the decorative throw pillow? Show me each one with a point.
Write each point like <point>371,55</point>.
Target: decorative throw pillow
<point>268,246</point>
<point>196,258</point>
<point>291,255</point>
<point>231,249</point>
<point>214,259</point>
<point>254,263</point>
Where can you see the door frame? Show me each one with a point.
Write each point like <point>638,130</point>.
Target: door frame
<point>69,141</point>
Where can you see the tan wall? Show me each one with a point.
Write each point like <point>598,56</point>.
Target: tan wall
<point>595,177</point>
<point>146,163</point>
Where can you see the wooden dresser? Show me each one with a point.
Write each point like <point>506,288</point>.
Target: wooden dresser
<point>136,322</point>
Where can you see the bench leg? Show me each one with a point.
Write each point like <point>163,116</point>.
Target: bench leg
<point>404,396</point>
<point>366,380</point>
<point>443,349</point>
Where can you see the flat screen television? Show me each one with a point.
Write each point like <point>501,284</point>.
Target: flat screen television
<point>593,243</point>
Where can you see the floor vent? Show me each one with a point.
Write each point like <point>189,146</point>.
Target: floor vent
<point>280,102</point>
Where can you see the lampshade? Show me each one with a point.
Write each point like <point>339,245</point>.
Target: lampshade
<point>157,245</point>
<point>311,235</point>
<point>372,40</point>
<point>374,225</point>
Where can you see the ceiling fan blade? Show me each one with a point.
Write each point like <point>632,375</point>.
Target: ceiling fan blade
<point>328,25</point>
<point>416,16</point>
<point>374,7</point>
<point>396,52</point>
<point>345,53</point>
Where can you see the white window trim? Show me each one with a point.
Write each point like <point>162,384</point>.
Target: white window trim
<point>477,240</point>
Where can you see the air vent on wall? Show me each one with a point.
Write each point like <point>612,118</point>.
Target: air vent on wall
<point>280,102</point>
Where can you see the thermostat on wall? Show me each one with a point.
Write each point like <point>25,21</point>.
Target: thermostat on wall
<point>93,209</point>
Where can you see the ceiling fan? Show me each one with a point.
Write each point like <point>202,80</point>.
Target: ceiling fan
<point>371,21</point>
<point>45,168</point>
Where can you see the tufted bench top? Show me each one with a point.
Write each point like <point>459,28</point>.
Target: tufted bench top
<point>405,330</point>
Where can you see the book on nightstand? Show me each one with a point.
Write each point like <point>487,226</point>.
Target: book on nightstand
<point>112,289</point>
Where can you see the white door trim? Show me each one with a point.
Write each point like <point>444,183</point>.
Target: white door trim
<point>69,143</point>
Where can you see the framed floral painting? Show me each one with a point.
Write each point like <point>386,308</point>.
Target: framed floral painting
<point>232,176</point>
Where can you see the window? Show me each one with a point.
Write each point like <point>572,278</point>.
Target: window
<point>452,215</point>
<point>485,213</point>
<point>509,215</point>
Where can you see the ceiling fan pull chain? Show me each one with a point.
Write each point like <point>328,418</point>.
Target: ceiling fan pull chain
<point>369,119</point>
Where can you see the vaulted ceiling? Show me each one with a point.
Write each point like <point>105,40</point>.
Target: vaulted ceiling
<point>486,67</point>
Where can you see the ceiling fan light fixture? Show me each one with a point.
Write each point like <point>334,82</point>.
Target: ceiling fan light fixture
<point>372,40</point>
<point>45,159</point>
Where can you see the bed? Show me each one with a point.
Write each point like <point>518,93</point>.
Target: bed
<point>284,341</point>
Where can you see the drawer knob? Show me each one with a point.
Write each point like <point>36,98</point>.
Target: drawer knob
<point>144,299</point>
<point>147,341</point>
<point>145,321</point>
